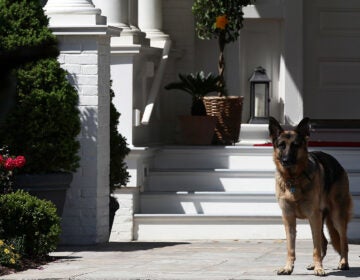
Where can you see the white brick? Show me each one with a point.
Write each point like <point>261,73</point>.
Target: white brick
<point>89,69</point>
<point>86,79</point>
<point>83,59</point>
<point>89,90</point>
<point>88,100</point>
<point>72,68</point>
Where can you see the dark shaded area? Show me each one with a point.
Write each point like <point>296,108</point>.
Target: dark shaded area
<point>120,246</point>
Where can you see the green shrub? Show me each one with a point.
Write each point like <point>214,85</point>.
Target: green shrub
<point>44,124</point>
<point>118,151</point>
<point>30,223</point>
<point>24,34</point>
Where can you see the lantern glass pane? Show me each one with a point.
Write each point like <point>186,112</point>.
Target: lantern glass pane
<point>260,100</point>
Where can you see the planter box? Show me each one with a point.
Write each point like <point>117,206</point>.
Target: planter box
<point>197,130</point>
<point>51,187</point>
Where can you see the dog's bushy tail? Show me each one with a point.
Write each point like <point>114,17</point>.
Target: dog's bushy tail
<point>334,235</point>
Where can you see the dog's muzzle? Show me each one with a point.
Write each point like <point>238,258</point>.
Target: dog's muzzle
<point>287,161</point>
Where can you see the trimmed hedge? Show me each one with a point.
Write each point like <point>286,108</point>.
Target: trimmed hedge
<point>24,34</point>
<point>45,123</point>
<point>30,223</point>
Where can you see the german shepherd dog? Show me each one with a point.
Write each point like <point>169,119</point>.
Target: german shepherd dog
<point>313,186</point>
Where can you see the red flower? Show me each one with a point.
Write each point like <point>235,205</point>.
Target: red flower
<point>1,159</point>
<point>9,164</point>
<point>19,161</point>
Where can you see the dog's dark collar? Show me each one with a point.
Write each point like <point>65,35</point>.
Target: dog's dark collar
<point>293,182</point>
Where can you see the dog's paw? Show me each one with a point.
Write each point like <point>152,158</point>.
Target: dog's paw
<point>343,266</point>
<point>310,267</point>
<point>319,271</point>
<point>284,271</point>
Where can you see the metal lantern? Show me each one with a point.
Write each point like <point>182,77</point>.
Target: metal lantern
<point>259,96</point>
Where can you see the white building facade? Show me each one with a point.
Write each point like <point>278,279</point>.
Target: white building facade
<point>310,52</point>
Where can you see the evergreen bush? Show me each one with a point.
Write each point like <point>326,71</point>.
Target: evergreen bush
<point>24,34</point>
<point>30,223</point>
<point>44,124</point>
<point>118,151</point>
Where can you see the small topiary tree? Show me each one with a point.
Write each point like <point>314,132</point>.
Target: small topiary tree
<point>44,123</point>
<point>24,35</point>
<point>31,224</point>
<point>221,20</point>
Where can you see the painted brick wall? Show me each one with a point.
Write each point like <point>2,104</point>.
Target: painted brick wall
<point>86,213</point>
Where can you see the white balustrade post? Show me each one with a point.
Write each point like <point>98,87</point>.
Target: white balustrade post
<point>84,45</point>
<point>150,21</point>
<point>71,12</point>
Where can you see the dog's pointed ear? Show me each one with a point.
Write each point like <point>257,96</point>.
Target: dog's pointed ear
<point>275,129</point>
<point>303,128</point>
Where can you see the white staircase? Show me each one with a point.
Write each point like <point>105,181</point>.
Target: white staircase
<point>222,192</point>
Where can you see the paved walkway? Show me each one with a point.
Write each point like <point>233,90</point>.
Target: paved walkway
<point>208,260</point>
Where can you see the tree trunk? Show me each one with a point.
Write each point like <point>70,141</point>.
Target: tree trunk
<point>221,62</point>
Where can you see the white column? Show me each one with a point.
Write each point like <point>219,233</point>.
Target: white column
<point>133,14</point>
<point>293,58</point>
<point>117,13</point>
<point>150,21</point>
<point>72,12</point>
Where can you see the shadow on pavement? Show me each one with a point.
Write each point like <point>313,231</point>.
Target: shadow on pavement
<point>354,272</point>
<point>119,246</point>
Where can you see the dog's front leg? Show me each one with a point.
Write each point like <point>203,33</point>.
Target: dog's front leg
<point>316,229</point>
<point>290,230</point>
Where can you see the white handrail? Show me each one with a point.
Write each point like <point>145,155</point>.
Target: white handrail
<point>154,91</point>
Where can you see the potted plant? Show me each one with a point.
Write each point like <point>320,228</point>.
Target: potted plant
<point>222,20</point>
<point>44,124</point>
<point>197,128</point>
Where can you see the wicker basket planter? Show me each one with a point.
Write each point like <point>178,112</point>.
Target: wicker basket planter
<point>228,111</point>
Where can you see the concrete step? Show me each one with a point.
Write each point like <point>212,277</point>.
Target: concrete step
<point>210,180</point>
<point>214,157</point>
<point>254,134</point>
<point>154,227</point>
<point>209,203</point>
<point>176,227</point>
<point>216,203</point>
<point>227,192</point>
<point>246,182</point>
<point>238,157</point>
